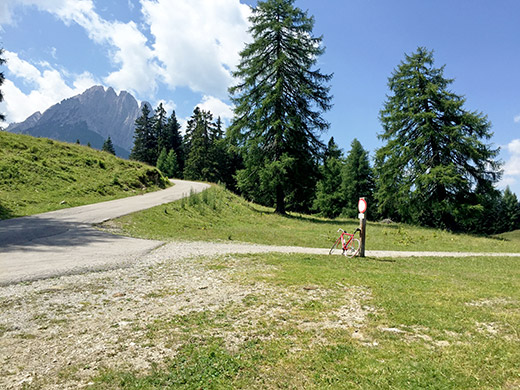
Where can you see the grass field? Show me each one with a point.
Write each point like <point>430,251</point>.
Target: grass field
<point>38,175</point>
<point>320,322</point>
<point>217,214</point>
<point>325,322</point>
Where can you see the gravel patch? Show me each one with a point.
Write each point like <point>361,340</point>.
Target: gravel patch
<point>58,333</point>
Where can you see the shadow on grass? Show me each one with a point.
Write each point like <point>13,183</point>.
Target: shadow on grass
<point>380,260</point>
<point>321,220</point>
<point>5,213</point>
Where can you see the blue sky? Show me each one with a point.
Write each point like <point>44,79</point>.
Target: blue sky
<point>181,52</point>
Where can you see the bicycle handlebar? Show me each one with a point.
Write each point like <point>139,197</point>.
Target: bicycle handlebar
<point>355,231</point>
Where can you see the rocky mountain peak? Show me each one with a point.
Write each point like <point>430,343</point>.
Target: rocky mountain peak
<point>99,110</point>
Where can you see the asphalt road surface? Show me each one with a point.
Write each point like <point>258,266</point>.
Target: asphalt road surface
<point>64,241</point>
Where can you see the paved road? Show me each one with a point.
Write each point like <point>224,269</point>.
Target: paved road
<point>64,241</point>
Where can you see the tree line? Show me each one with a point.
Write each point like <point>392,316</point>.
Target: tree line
<point>436,168</point>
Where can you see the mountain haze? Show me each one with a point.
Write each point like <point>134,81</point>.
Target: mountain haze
<point>90,117</point>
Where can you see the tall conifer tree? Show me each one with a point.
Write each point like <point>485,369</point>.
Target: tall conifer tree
<point>278,106</point>
<point>435,165</point>
<point>175,142</point>
<point>198,140</point>
<point>160,129</point>
<point>145,141</point>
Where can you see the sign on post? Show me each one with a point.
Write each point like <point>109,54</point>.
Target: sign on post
<point>362,207</point>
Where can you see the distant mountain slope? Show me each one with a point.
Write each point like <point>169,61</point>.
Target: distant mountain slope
<point>90,117</point>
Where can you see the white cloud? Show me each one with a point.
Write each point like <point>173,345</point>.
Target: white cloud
<point>517,119</point>
<point>511,175</point>
<point>512,166</point>
<point>217,107</point>
<point>48,86</point>
<point>198,41</point>
<point>196,45</point>
<point>129,52</point>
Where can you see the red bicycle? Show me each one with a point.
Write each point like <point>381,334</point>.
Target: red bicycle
<point>347,243</point>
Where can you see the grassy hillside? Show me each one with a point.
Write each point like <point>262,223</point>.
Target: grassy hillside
<point>38,175</point>
<point>217,214</point>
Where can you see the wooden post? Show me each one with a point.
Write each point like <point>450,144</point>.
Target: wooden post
<point>362,207</point>
<point>362,234</point>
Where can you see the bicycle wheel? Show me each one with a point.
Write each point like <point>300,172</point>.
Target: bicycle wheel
<point>353,248</point>
<point>336,247</point>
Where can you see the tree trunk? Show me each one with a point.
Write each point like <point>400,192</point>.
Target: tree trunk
<point>280,200</point>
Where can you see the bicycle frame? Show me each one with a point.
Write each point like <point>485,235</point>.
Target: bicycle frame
<point>350,236</point>
<point>349,244</point>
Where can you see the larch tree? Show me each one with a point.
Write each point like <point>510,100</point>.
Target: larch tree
<point>435,164</point>
<point>279,102</point>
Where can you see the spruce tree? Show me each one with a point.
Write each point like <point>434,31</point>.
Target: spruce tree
<point>175,141</point>
<point>358,180</point>
<point>198,138</point>
<point>435,162</point>
<point>160,129</point>
<point>510,211</point>
<point>2,78</point>
<point>145,141</point>
<point>329,200</point>
<point>278,106</point>
<point>108,146</point>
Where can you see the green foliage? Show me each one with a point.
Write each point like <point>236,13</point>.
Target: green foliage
<point>357,181</point>
<point>207,157</point>
<point>278,105</point>
<point>510,211</point>
<point>156,133</point>
<point>108,146</point>
<point>330,198</point>
<point>38,175</point>
<point>435,165</point>
<point>173,141</point>
<point>167,163</point>
<point>145,140</point>
<point>160,128</point>
<point>161,162</point>
<point>198,142</point>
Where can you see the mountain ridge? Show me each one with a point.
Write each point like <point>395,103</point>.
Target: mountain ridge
<point>90,117</point>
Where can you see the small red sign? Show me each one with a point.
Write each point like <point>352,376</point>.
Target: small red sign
<point>362,205</point>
